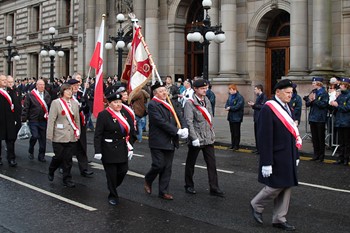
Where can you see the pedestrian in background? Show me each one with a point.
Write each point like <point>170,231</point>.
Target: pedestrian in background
<point>63,129</point>
<point>212,98</point>
<point>138,103</point>
<point>296,104</point>
<point>256,106</point>
<point>198,115</point>
<point>317,100</point>
<point>279,141</point>
<point>36,112</point>
<point>113,140</point>
<point>163,139</point>
<point>342,121</point>
<point>235,108</point>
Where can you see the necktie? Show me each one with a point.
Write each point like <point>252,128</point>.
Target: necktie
<point>287,108</point>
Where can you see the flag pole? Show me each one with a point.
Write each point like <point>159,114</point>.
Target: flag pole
<point>86,81</point>
<point>134,21</point>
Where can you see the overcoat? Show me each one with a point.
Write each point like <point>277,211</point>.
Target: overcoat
<point>8,119</point>
<point>277,148</point>
<point>110,140</point>
<point>163,128</point>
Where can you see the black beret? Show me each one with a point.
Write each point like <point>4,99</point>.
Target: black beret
<point>200,83</point>
<point>283,84</point>
<point>317,79</point>
<point>156,85</point>
<point>114,96</point>
<point>72,81</point>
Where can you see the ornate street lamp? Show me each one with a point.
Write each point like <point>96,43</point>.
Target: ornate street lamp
<point>11,55</point>
<point>51,50</point>
<point>205,33</point>
<point>121,39</point>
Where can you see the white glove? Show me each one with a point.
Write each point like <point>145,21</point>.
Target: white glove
<point>297,162</point>
<point>98,156</point>
<point>184,133</point>
<point>266,171</point>
<point>180,132</point>
<point>130,154</point>
<point>196,142</point>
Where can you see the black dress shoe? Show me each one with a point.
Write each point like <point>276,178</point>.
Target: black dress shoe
<point>190,190</point>
<point>51,176</point>
<point>86,173</point>
<point>231,148</point>
<point>285,226</point>
<point>43,160</point>
<point>113,202</point>
<point>217,192</point>
<point>256,215</point>
<point>31,156</point>
<point>69,184</point>
<point>167,197</point>
<point>12,163</point>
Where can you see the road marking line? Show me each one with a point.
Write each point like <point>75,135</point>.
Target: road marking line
<point>100,166</point>
<point>219,170</point>
<point>80,205</point>
<point>325,187</point>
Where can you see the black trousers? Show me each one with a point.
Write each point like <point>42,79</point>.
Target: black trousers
<point>63,158</point>
<point>255,135</point>
<point>318,134</point>
<point>235,129</point>
<point>115,173</point>
<point>162,162</point>
<point>38,131</point>
<point>10,145</point>
<point>209,157</point>
<point>344,143</point>
<point>81,156</point>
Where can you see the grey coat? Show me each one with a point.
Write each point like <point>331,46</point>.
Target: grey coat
<point>198,126</point>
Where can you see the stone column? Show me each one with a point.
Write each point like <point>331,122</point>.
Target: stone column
<point>346,38</point>
<point>322,37</point>
<point>298,38</point>
<point>81,40</point>
<point>90,32</point>
<point>214,47</point>
<point>151,32</point>
<point>228,49</point>
<point>139,10</point>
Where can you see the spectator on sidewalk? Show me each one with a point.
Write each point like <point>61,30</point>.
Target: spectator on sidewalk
<point>235,107</point>
<point>296,104</point>
<point>317,100</point>
<point>138,103</point>
<point>256,106</point>
<point>211,96</point>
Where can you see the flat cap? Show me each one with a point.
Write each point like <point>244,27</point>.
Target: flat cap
<point>72,81</point>
<point>283,84</point>
<point>333,80</point>
<point>317,79</point>
<point>200,83</point>
<point>345,80</point>
<point>114,96</point>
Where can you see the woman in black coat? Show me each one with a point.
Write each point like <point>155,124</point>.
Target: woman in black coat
<point>114,136</point>
<point>235,107</point>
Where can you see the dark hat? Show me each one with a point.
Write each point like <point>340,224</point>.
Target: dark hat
<point>317,79</point>
<point>114,96</point>
<point>200,83</point>
<point>72,81</point>
<point>345,80</point>
<point>294,85</point>
<point>156,85</point>
<point>283,84</point>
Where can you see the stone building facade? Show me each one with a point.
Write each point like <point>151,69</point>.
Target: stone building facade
<point>265,39</point>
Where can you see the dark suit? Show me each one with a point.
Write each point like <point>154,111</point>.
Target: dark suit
<point>110,141</point>
<point>277,148</point>
<point>9,123</point>
<point>34,113</point>
<point>163,140</point>
<point>259,103</point>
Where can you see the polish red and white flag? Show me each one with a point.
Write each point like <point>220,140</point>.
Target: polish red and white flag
<point>96,62</point>
<point>138,69</point>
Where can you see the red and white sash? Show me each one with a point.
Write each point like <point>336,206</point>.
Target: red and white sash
<point>81,114</point>
<point>204,112</point>
<point>41,102</point>
<point>287,121</point>
<point>118,116</point>
<point>165,104</point>
<point>70,117</point>
<point>131,113</point>
<point>8,98</point>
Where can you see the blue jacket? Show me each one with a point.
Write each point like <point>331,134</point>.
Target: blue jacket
<point>259,103</point>
<point>296,105</point>
<point>236,104</point>
<point>319,106</point>
<point>342,116</point>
